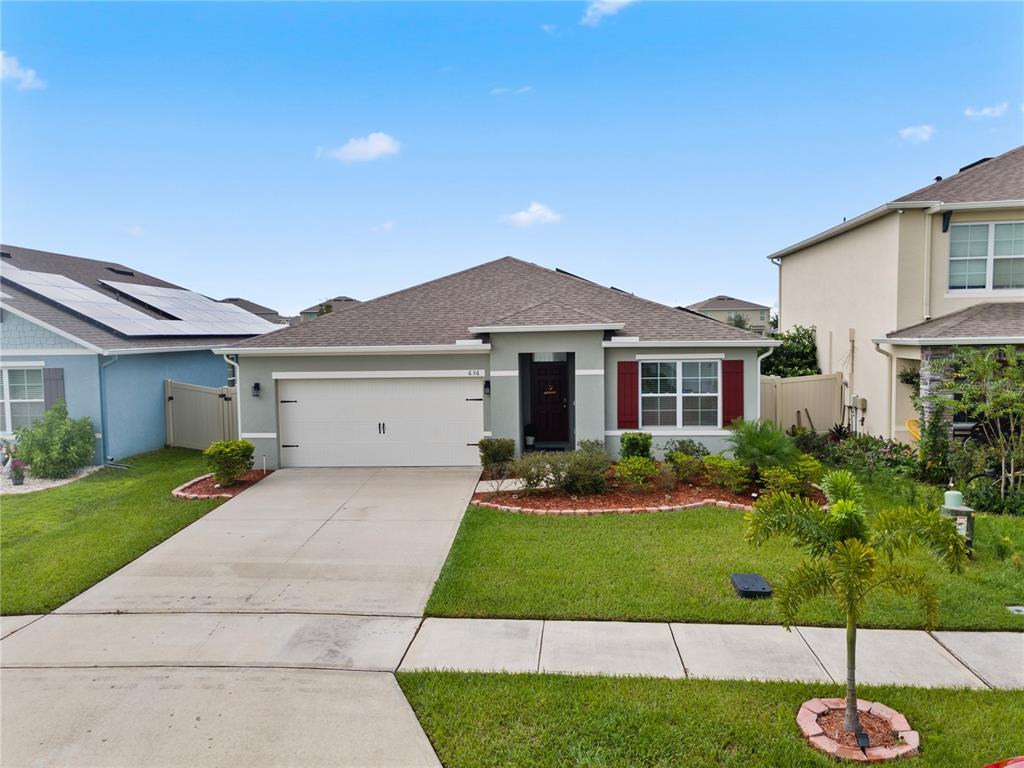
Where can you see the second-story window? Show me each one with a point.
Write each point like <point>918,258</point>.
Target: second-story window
<point>986,256</point>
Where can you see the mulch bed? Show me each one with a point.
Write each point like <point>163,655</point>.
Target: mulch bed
<point>619,498</point>
<point>878,729</point>
<point>205,487</point>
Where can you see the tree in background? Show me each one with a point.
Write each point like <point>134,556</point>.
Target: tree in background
<point>796,356</point>
<point>737,320</point>
<point>324,309</point>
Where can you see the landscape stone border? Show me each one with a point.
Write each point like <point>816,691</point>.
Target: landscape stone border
<point>807,719</point>
<point>526,510</point>
<point>181,492</point>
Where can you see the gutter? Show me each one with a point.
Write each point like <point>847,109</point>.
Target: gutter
<point>950,341</point>
<point>888,388</point>
<point>757,343</point>
<point>405,349</point>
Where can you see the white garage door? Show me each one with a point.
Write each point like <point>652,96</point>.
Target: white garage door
<point>387,422</point>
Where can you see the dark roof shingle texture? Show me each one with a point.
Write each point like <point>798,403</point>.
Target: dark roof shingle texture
<point>441,311</point>
<point>725,302</point>
<point>987,320</point>
<point>1001,178</point>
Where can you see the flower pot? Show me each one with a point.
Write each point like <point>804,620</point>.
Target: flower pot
<point>529,441</point>
<point>17,480</point>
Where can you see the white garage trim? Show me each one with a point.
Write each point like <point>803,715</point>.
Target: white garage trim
<point>469,373</point>
<point>504,373</point>
<point>590,372</point>
<point>258,435</point>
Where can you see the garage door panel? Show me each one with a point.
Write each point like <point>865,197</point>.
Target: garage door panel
<point>380,422</point>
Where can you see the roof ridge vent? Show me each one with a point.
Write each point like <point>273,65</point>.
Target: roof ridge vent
<point>974,164</point>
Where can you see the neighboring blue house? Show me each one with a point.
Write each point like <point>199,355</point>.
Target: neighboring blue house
<point>104,337</point>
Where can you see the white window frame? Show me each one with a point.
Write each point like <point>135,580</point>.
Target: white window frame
<point>679,395</point>
<point>990,258</point>
<point>6,394</point>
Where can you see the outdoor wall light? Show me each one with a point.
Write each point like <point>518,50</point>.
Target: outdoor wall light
<point>487,386</point>
<point>256,389</point>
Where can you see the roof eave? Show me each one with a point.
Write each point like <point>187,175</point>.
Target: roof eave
<point>936,341</point>
<point>747,343</point>
<point>546,328</point>
<point>396,349</point>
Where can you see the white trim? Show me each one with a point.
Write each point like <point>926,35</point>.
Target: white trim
<point>828,234</point>
<point>469,373</point>
<point>752,344</point>
<point>983,205</point>
<point>672,432</point>
<point>52,328</point>
<point>398,349</point>
<point>503,373</point>
<point>152,350</point>
<point>64,352</point>
<point>258,435</point>
<point>623,340</point>
<point>937,341</point>
<point>990,263</point>
<point>22,364</point>
<point>757,406</point>
<point>590,371</point>
<point>546,328</point>
<point>5,389</point>
<point>468,342</point>
<point>679,395</point>
<point>488,433</point>
<point>983,293</point>
<point>694,356</point>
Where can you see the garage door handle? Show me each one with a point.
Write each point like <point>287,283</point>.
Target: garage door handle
<point>290,446</point>
<point>474,399</point>
<point>385,427</point>
<point>289,401</point>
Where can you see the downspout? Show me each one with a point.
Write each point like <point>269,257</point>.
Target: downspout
<point>778,263</point>
<point>103,409</point>
<point>926,304</point>
<point>238,390</point>
<point>888,390</point>
<point>759,359</point>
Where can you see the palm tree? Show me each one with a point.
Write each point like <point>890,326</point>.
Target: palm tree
<point>849,557</point>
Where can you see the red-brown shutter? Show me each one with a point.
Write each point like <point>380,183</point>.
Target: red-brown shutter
<point>732,391</point>
<point>629,394</point>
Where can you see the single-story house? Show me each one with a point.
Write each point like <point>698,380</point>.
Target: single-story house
<point>103,337</point>
<point>335,304</point>
<point>505,349</point>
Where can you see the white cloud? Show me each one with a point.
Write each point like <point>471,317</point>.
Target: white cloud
<point>371,147</point>
<point>135,230</point>
<point>996,110</point>
<point>598,9</point>
<point>536,213</point>
<point>548,28</point>
<point>383,228</point>
<point>27,78</point>
<point>503,91</point>
<point>916,134</point>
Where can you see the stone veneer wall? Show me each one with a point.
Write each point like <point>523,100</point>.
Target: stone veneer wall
<point>933,375</point>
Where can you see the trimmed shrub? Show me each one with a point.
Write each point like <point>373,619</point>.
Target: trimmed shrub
<point>781,480</point>
<point>686,467</point>
<point>537,469</point>
<point>635,444</point>
<point>984,496</point>
<point>496,450</point>
<point>731,474</point>
<point>637,471</point>
<point>808,470</point>
<point>761,444</point>
<point>57,446</point>
<point>229,460</point>
<point>585,471</point>
<point>665,479</point>
<point>688,447</point>
<point>595,446</point>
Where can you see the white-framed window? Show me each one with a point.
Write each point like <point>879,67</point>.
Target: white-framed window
<point>986,256</point>
<point>680,394</point>
<point>21,397</point>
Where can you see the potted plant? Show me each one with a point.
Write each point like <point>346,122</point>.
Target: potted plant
<point>531,435</point>
<point>17,471</point>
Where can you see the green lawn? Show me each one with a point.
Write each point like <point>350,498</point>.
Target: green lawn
<point>477,720</point>
<point>57,543</point>
<point>676,565</point>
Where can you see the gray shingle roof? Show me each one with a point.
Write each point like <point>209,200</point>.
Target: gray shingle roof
<point>338,302</point>
<point>89,272</point>
<point>725,302</point>
<point>988,320</point>
<point>1001,178</point>
<point>441,311</point>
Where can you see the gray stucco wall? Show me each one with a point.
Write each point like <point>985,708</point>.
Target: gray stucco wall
<point>714,439</point>
<point>259,415</point>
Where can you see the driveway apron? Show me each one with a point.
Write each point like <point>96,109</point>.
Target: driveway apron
<point>263,634</point>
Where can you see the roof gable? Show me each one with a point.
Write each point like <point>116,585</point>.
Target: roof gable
<point>995,180</point>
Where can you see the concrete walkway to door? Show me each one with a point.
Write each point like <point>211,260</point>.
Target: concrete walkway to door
<point>263,634</point>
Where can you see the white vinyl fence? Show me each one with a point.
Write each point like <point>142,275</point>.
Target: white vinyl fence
<point>812,402</point>
<point>197,416</point>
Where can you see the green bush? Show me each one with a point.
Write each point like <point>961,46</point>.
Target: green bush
<point>797,355</point>
<point>781,480</point>
<point>688,447</point>
<point>496,450</point>
<point>635,444</point>
<point>585,471</point>
<point>665,478</point>
<point>57,446</point>
<point>983,495</point>
<point>731,474</point>
<point>229,460</point>
<point>808,470</point>
<point>591,446</point>
<point>687,468</point>
<point>761,444</point>
<point>934,446</point>
<point>637,471</point>
<point>534,469</point>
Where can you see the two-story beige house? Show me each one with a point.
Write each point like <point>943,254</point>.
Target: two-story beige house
<point>726,308</point>
<point>896,287</point>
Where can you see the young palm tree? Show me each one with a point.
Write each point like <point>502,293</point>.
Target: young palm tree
<point>850,557</point>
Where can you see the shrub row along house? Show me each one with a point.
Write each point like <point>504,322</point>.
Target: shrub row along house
<point>505,349</point>
<point>103,337</point>
<point>893,289</point>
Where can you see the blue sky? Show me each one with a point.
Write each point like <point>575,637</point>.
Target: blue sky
<point>288,152</point>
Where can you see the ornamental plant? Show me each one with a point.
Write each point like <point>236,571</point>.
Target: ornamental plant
<point>637,471</point>
<point>57,446</point>
<point>229,460</point>
<point>761,444</point>
<point>496,450</point>
<point>635,444</point>
<point>727,473</point>
<point>851,558</point>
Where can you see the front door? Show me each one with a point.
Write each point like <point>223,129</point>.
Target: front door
<point>549,402</point>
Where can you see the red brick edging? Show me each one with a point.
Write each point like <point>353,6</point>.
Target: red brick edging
<point>619,510</point>
<point>181,493</point>
<point>807,719</point>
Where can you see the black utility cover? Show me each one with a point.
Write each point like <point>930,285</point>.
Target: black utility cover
<point>750,585</point>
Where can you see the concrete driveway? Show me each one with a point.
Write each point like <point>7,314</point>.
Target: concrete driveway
<point>264,634</point>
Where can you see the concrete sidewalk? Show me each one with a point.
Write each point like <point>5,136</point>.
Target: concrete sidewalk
<point>719,651</point>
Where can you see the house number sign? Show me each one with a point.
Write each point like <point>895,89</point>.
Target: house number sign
<point>475,373</point>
